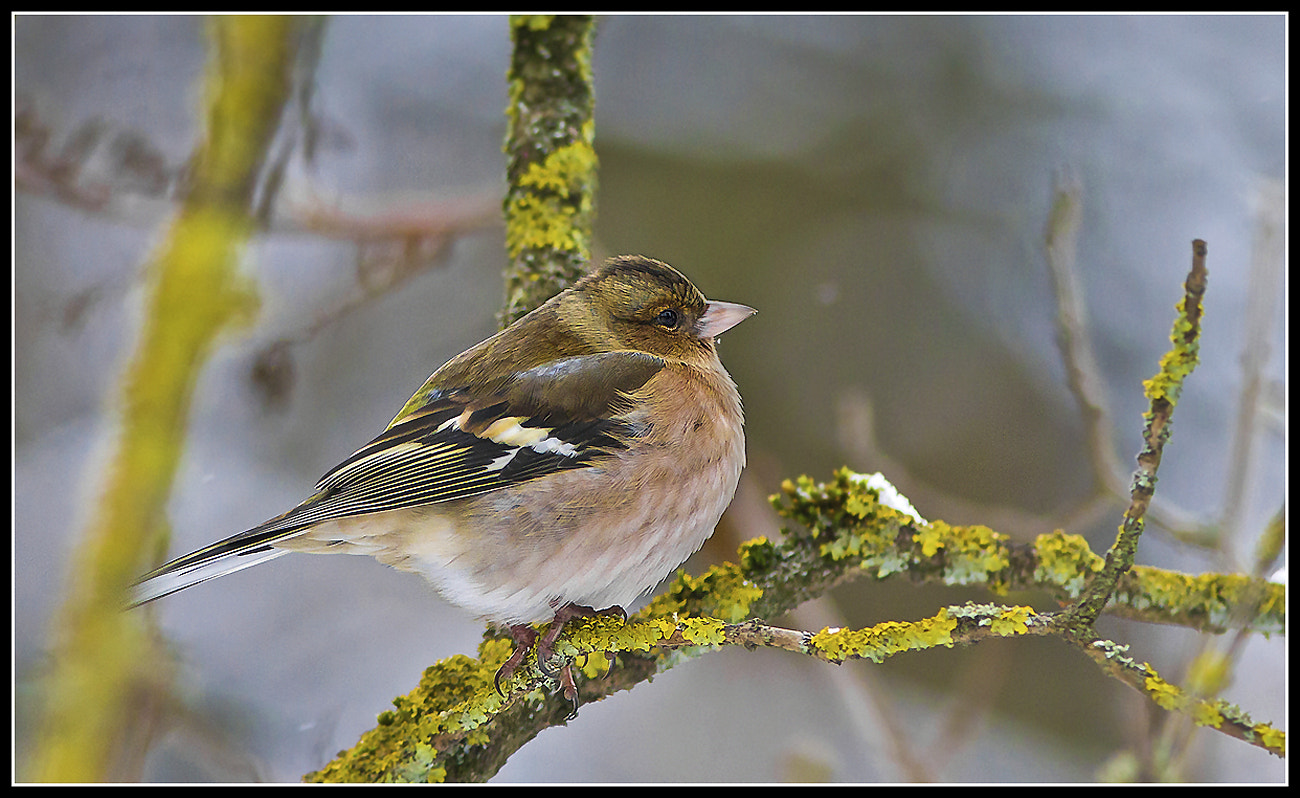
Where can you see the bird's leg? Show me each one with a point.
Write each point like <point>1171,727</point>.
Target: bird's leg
<point>524,636</point>
<point>569,689</point>
<point>545,648</point>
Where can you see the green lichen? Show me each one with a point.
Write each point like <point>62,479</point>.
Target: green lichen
<point>757,554</point>
<point>1112,650</point>
<point>847,520</point>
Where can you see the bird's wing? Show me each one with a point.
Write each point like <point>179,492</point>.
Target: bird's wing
<point>459,441</point>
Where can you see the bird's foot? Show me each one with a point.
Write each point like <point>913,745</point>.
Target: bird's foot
<point>524,636</point>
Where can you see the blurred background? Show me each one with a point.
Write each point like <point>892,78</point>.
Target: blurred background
<point>877,186</point>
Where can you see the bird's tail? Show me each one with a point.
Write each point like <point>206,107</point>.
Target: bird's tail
<point>223,557</point>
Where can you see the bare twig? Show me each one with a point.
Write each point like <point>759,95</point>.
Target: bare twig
<point>1082,372</point>
<point>1264,286</point>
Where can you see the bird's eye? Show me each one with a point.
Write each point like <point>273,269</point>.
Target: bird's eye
<point>667,319</point>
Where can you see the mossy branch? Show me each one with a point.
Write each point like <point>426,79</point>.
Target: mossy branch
<point>455,727</point>
<point>194,294</point>
<point>550,158</point>
<point>1162,391</point>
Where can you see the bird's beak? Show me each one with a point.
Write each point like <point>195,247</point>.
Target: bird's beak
<point>722,316</point>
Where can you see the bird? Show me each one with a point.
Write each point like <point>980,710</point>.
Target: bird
<point>560,468</point>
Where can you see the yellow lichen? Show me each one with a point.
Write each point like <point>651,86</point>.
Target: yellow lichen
<point>1065,560</point>
<point>703,631</point>
<point>1215,597</point>
<point>972,554</point>
<point>860,506</point>
<point>1166,695</point>
<point>884,639</point>
<point>534,223</point>
<point>930,538</point>
<point>1178,362</point>
<point>1205,713</point>
<point>569,168</point>
<point>532,21</point>
<point>1012,621</point>
<point>1274,739</point>
<point>729,595</point>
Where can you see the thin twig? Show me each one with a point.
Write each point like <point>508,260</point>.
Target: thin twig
<point>1163,391</point>
<point>1082,373</point>
<point>1264,287</point>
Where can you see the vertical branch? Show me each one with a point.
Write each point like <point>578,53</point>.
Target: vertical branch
<point>1080,362</point>
<point>194,294</point>
<point>550,160</point>
<point>1267,264</point>
<point>1163,391</point>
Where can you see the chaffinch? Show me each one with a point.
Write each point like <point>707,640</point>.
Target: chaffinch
<point>568,463</point>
